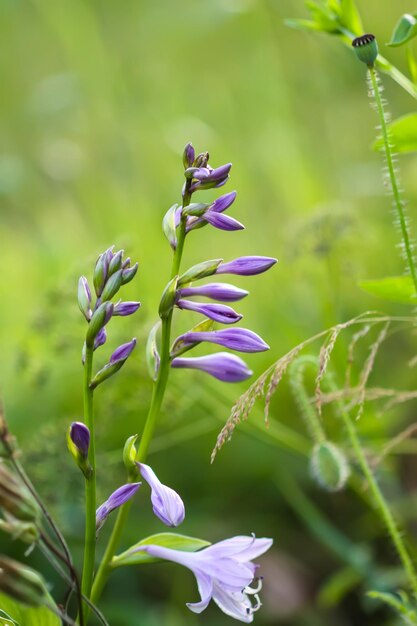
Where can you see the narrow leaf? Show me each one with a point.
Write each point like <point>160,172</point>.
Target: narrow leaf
<point>167,540</point>
<point>405,30</point>
<point>394,288</point>
<point>24,615</point>
<point>350,16</point>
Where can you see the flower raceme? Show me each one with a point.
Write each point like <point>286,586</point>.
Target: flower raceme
<point>224,572</point>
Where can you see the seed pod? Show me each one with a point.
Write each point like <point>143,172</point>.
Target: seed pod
<point>366,49</point>
<point>329,466</point>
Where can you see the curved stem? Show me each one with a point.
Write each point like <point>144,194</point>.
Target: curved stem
<point>90,483</point>
<point>393,179</point>
<point>158,393</point>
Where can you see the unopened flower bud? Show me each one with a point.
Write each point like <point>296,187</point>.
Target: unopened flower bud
<point>117,360</point>
<point>99,319</point>
<point>129,273</point>
<point>129,457</point>
<point>329,466</point>
<point>202,159</point>
<point>100,273</point>
<point>116,262</point>
<point>22,583</point>
<point>125,308</point>
<point>84,297</point>
<point>112,285</point>
<point>201,270</point>
<point>78,442</point>
<point>366,49</point>
<point>188,155</point>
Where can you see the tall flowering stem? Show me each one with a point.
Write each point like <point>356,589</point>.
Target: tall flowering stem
<point>90,483</point>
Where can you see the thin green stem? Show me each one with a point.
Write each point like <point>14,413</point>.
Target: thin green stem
<point>308,411</point>
<point>381,503</point>
<point>393,179</point>
<point>90,483</point>
<point>158,393</point>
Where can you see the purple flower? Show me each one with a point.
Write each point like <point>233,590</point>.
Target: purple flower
<point>224,572</point>
<point>101,338</point>
<point>188,155</point>
<point>223,366</point>
<point>247,265</point>
<point>223,222</point>
<point>217,291</point>
<point>117,498</point>
<point>166,503</point>
<point>207,174</point>
<point>217,312</point>
<point>223,203</point>
<point>84,298</point>
<point>239,339</point>
<point>80,437</point>
<point>125,308</point>
<point>122,352</point>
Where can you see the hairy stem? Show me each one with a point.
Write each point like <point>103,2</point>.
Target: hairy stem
<point>158,394</point>
<point>399,207</point>
<point>90,483</point>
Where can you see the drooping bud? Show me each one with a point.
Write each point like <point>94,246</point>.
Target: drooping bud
<point>329,466</point>
<point>129,457</point>
<point>188,155</point>
<point>99,319</point>
<point>116,499</point>
<point>366,49</point>
<point>198,271</point>
<point>125,308</point>
<point>116,362</point>
<point>84,297</point>
<point>16,499</point>
<point>168,298</point>
<point>112,285</point>
<point>78,442</point>
<point>166,503</point>
<point>23,583</point>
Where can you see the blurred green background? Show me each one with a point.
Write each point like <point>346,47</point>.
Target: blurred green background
<point>97,100</point>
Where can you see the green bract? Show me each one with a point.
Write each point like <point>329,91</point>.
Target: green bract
<point>167,540</point>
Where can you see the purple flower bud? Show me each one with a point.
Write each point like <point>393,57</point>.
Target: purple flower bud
<point>223,366</point>
<point>217,291</point>
<point>223,222</point>
<point>80,437</point>
<point>217,312</point>
<point>129,273</point>
<point>188,155</point>
<point>166,503</point>
<point>84,297</point>
<point>126,263</point>
<point>116,262</point>
<point>223,203</point>
<point>247,265</point>
<point>101,338</point>
<point>99,319</point>
<point>117,498</point>
<point>100,273</point>
<point>206,174</point>
<point>113,284</point>
<point>240,339</point>
<point>125,308</point>
<point>123,352</point>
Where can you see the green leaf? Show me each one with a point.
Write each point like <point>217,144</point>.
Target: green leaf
<point>402,133</point>
<point>167,540</point>
<point>152,354</point>
<point>394,288</point>
<point>13,613</point>
<point>306,25</point>
<point>405,30</point>
<point>350,16</point>
<point>179,346</point>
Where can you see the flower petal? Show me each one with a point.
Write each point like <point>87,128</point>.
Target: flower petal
<point>205,588</point>
<point>167,504</point>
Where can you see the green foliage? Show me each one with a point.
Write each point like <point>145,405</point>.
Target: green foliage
<point>394,288</point>
<point>399,603</point>
<point>167,540</point>
<point>25,616</point>
<point>404,31</point>
<point>402,134</point>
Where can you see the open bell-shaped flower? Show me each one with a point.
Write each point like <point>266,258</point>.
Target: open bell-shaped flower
<point>166,503</point>
<point>224,572</point>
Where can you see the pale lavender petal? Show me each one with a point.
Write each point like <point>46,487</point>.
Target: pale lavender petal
<point>242,547</point>
<point>167,504</point>
<point>217,312</point>
<point>123,352</point>
<point>247,265</point>
<point>240,339</point>
<point>223,366</point>
<point>223,222</point>
<point>217,291</point>
<point>80,436</point>
<point>233,603</point>
<point>205,588</point>
<point>116,499</point>
<point>126,308</point>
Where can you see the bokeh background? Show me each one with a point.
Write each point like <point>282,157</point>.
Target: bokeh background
<point>97,101</point>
